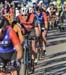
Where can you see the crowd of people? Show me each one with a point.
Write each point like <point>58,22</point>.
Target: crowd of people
<point>18,19</point>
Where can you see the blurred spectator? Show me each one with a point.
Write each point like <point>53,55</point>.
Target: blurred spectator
<point>46,2</point>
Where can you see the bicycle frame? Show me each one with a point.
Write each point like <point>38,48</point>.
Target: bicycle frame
<point>26,56</point>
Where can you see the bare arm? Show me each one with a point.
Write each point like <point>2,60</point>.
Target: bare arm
<point>19,52</point>
<point>46,21</point>
<point>16,43</point>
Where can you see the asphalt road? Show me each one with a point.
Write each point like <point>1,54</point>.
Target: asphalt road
<point>55,61</point>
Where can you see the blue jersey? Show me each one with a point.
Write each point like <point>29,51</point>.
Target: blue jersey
<point>39,18</point>
<point>6,45</point>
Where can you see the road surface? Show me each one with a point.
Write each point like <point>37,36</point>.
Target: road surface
<point>55,60</point>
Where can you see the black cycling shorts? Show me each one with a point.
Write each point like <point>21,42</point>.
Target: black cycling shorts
<point>5,58</point>
<point>30,33</point>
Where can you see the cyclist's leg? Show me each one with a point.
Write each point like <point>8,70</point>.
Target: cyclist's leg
<point>32,37</point>
<point>2,64</point>
<point>37,35</point>
<point>37,42</point>
<point>34,52</point>
<point>43,34</point>
<point>37,31</point>
<point>33,49</point>
<point>15,65</point>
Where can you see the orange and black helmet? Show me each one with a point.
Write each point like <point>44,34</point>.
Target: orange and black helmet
<point>8,17</point>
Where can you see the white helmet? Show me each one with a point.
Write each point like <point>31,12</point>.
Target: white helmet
<point>30,4</point>
<point>34,1</point>
<point>54,2</point>
<point>24,10</point>
<point>40,2</point>
<point>30,7</point>
<point>31,10</point>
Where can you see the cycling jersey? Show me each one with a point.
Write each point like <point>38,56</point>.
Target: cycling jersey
<point>8,41</point>
<point>59,7</point>
<point>28,23</point>
<point>41,18</point>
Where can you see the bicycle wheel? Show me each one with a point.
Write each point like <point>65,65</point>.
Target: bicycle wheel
<point>24,62</point>
<point>28,64</point>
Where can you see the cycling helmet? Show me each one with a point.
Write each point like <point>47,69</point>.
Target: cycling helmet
<point>44,7</point>
<point>40,3</point>
<point>58,2</point>
<point>30,7</point>
<point>38,8</point>
<point>24,11</point>
<point>51,4</point>
<point>31,10</point>
<point>34,4</point>
<point>8,18</point>
<point>55,3</point>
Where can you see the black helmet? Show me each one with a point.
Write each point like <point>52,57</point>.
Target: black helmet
<point>38,8</point>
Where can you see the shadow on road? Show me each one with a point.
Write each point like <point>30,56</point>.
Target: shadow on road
<point>53,66</point>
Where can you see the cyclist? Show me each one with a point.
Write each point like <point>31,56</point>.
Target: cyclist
<point>9,45</point>
<point>63,17</point>
<point>51,15</point>
<point>42,19</point>
<point>26,20</point>
<point>59,6</point>
<point>16,26</point>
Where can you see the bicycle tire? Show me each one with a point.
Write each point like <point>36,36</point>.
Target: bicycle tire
<point>24,62</point>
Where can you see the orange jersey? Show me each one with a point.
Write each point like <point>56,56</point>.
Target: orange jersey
<point>29,22</point>
<point>13,36</point>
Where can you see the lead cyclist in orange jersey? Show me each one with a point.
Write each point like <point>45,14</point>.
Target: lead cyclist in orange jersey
<point>27,21</point>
